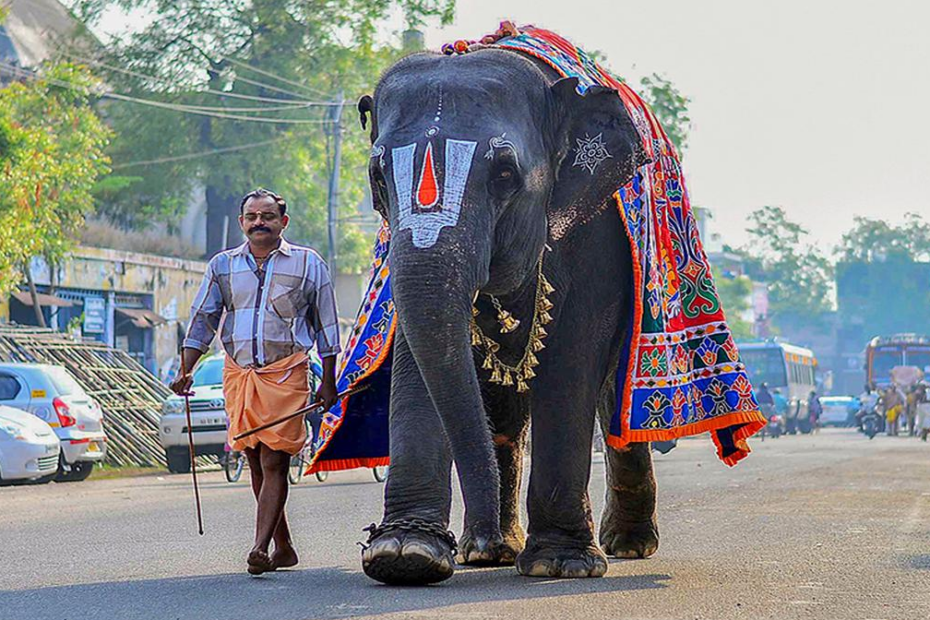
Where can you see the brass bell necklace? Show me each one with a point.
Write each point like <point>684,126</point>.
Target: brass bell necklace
<point>519,374</point>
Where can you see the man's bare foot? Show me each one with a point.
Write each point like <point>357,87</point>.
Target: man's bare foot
<point>284,557</point>
<point>259,562</point>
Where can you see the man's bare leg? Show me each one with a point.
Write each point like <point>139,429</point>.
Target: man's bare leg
<point>284,553</point>
<point>271,500</point>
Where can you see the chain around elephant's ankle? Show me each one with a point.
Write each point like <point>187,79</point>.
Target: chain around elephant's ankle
<point>411,525</point>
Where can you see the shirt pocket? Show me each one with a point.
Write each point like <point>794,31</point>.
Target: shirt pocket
<point>288,302</point>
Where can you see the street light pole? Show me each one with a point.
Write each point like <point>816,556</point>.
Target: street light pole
<point>333,199</point>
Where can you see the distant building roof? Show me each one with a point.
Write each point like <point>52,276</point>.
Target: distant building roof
<point>33,29</point>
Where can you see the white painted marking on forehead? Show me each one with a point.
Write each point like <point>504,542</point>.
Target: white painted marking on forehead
<point>425,226</point>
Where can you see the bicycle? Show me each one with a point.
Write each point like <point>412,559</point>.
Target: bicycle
<point>299,461</point>
<point>233,464</point>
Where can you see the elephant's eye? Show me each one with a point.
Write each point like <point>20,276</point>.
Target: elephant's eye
<point>505,180</point>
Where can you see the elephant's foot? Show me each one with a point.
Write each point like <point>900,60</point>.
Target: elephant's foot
<point>409,555</point>
<point>540,560</point>
<point>622,539</point>
<point>477,551</point>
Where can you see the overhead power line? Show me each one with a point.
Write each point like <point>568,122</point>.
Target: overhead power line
<point>211,91</point>
<point>300,97</point>
<point>273,76</point>
<point>172,106</point>
<point>200,155</point>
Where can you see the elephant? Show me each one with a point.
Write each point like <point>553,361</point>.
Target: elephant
<point>483,164</point>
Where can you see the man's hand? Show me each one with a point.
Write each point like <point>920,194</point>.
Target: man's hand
<point>181,385</point>
<point>328,394</point>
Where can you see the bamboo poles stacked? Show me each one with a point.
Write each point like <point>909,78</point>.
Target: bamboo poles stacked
<point>130,396</point>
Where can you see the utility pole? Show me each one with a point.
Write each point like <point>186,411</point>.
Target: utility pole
<point>333,201</point>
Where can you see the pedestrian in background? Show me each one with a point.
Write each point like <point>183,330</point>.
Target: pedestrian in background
<point>278,303</point>
<point>892,405</point>
<point>814,410</point>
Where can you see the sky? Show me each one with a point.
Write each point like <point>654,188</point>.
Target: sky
<point>817,106</point>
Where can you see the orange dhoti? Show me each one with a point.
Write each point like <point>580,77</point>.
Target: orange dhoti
<point>256,396</point>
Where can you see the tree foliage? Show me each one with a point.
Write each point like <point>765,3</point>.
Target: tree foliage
<point>258,58</point>
<point>735,297</point>
<point>798,275</point>
<point>51,154</point>
<point>670,108</point>
<point>877,240</point>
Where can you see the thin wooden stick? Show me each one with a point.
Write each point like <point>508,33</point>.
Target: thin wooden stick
<point>303,411</point>
<point>190,442</point>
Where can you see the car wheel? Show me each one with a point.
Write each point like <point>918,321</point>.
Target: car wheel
<point>179,461</point>
<point>79,471</point>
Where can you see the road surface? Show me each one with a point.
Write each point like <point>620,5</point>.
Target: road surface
<point>831,526</point>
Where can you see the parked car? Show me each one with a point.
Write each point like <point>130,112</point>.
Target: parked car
<point>839,410</point>
<point>208,415</point>
<point>29,448</point>
<point>50,393</point>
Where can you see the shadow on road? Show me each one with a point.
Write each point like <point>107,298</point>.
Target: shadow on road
<point>293,595</point>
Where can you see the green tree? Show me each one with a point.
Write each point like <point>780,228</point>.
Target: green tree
<point>670,108</point>
<point>245,93</point>
<point>51,155</point>
<point>735,295</point>
<point>798,275</point>
<point>869,240</point>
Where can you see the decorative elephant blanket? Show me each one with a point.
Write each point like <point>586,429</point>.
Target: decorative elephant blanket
<point>680,372</point>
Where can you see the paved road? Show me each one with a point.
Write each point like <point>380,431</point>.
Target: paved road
<point>828,527</point>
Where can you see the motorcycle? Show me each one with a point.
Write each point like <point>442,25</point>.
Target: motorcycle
<point>871,423</point>
<point>775,425</point>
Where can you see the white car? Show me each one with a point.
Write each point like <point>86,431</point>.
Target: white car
<point>208,417</point>
<point>839,410</point>
<point>29,447</point>
<point>50,393</point>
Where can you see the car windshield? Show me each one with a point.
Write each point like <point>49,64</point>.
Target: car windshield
<point>883,361</point>
<point>919,358</point>
<point>210,372</point>
<point>63,382</point>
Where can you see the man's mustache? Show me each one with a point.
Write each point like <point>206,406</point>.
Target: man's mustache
<point>259,229</point>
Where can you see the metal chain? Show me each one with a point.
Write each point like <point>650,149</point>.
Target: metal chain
<point>410,525</point>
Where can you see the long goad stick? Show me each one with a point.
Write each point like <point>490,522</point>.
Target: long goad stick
<point>303,411</point>
<point>190,443</point>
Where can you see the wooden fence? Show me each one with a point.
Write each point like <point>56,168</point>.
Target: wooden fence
<point>130,396</point>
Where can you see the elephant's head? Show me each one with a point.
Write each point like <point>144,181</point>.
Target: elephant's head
<point>471,156</point>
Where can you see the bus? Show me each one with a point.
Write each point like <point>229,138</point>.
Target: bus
<point>886,352</point>
<point>787,368</point>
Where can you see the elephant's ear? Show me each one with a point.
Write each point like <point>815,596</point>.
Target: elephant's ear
<point>599,148</point>
<point>366,110</point>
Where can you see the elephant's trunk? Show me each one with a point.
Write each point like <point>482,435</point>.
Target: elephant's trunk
<point>433,291</point>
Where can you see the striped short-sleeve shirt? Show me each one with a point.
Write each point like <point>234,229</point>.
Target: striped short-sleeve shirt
<point>270,314</point>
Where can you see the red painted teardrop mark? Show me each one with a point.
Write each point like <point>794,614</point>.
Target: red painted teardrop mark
<point>427,192</point>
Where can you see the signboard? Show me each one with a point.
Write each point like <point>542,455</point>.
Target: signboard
<point>95,315</point>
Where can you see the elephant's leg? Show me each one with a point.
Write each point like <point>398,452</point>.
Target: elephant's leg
<point>509,417</point>
<point>409,547</point>
<point>561,529</point>
<point>628,525</point>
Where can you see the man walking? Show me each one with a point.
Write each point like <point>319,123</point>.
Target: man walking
<point>278,302</point>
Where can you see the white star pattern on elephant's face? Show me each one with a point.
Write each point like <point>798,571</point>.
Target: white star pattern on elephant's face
<point>591,152</point>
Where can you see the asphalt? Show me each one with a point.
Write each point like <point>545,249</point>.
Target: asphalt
<point>830,526</point>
